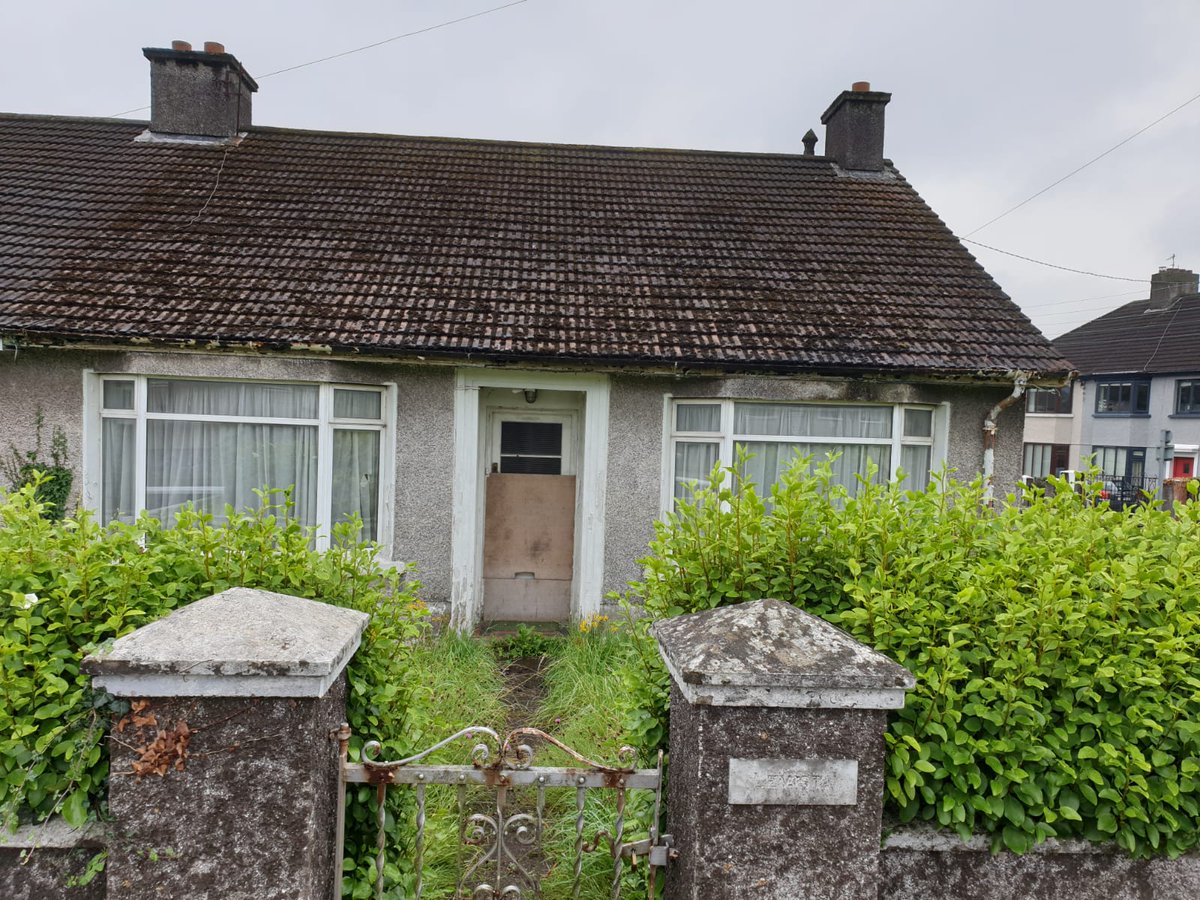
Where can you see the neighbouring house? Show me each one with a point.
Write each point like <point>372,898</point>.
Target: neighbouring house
<point>507,358</point>
<point>1134,411</point>
<point>1052,431</point>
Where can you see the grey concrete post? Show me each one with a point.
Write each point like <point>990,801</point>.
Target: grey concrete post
<point>777,754</point>
<point>224,778</point>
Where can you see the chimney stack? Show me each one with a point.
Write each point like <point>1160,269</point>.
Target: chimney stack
<point>198,93</point>
<point>1169,284</point>
<point>854,128</point>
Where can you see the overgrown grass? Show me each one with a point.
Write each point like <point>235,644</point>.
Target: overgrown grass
<point>585,707</point>
<point>461,686</point>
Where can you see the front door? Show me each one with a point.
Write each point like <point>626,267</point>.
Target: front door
<point>1184,467</point>
<point>529,518</point>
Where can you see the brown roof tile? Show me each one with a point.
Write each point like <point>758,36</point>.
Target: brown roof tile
<point>403,245</point>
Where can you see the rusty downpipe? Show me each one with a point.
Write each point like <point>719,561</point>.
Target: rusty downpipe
<point>990,426</point>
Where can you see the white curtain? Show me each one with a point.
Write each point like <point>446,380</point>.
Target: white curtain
<point>214,463</point>
<point>231,398</point>
<point>356,479</point>
<point>117,451</point>
<point>915,462</point>
<point>694,462</point>
<point>698,417</point>
<point>812,420</point>
<point>770,459</point>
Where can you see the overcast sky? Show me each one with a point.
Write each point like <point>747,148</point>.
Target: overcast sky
<point>991,101</point>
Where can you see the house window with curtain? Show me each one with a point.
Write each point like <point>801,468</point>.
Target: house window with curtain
<point>166,442</point>
<point>894,439</point>
<point>1042,460</point>
<point>1127,463</point>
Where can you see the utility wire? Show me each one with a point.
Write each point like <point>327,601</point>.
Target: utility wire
<point>1074,172</point>
<point>1052,265</point>
<point>1053,304</point>
<point>397,37</point>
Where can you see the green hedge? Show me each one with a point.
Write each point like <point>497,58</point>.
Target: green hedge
<point>68,587</point>
<point>1054,641</point>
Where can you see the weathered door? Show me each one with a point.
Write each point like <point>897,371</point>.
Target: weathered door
<point>529,521</point>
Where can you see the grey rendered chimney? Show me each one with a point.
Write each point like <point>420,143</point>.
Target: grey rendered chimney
<point>1167,285</point>
<point>198,93</point>
<point>854,128</point>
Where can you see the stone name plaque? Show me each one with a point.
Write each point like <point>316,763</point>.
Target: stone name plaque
<point>793,782</point>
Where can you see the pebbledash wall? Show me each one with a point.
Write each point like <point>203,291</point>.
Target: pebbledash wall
<point>422,520</point>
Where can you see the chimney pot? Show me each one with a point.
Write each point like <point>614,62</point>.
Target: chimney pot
<point>854,128</point>
<point>203,95</point>
<point>810,142</point>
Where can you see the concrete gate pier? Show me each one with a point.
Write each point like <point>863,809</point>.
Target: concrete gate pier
<point>777,754</point>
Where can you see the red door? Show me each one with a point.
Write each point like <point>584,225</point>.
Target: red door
<point>1185,467</point>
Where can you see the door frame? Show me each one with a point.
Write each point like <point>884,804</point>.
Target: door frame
<point>470,445</point>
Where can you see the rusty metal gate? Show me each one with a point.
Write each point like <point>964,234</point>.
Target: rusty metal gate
<point>488,867</point>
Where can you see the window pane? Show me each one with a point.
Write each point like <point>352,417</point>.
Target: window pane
<point>771,459</point>
<point>356,479</point>
<point>117,453</point>
<point>1037,460</point>
<point>698,417</point>
<point>118,395</point>
<point>918,423</point>
<point>1049,400</point>
<point>813,420</point>
<point>693,464</point>
<point>915,463</point>
<point>228,398</point>
<point>357,404</point>
<point>537,438</point>
<point>1110,461</point>
<point>1141,397</point>
<point>531,465</point>
<point>212,464</point>
<point>1187,397</point>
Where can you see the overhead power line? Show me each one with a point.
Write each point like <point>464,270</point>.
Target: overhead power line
<point>1052,265</point>
<point>1074,172</point>
<point>1054,304</point>
<point>396,37</point>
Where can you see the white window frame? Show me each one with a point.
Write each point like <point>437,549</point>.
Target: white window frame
<point>325,422</point>
<point>727,439</point>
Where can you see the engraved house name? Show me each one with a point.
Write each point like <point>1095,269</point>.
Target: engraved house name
<point>793,782</point>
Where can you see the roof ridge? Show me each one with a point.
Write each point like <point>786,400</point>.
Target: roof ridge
<point>452,139</point>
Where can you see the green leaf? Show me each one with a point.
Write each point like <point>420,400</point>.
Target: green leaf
<point>75,809</point>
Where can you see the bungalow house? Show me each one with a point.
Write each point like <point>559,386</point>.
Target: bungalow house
<point>507,358</point>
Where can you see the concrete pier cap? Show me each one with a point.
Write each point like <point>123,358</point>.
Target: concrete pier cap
<point>769,653</point>
<point>242,642</point>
